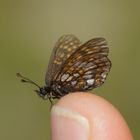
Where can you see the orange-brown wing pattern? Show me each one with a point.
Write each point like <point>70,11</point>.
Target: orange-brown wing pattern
<point>86,68</point>
<point>63,49</point>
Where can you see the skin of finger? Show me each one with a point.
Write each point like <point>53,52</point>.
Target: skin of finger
<point>105,122</point>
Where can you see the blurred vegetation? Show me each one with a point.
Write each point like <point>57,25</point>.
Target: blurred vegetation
<point>28,32</point>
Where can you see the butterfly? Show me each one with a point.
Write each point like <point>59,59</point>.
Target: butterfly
<point>74,66</point>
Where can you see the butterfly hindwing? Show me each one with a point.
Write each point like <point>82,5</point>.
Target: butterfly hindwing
<point>86,68</point>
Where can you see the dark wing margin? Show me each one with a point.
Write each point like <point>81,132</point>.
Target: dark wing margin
<point>63,49</point>
<point>86,68</point>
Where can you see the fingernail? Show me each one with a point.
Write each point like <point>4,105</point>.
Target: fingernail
<point>68,124</point>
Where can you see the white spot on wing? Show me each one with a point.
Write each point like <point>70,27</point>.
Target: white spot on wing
<point>70,78</point>
<point>90,82</point>
<point>73,83</point>
<point>76,74</point>
<point>64,77</point>
<point>103,75</point>
<point>88,76</point>
<point>89,72</point>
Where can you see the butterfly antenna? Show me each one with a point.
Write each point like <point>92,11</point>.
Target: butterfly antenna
<point>27,80</point>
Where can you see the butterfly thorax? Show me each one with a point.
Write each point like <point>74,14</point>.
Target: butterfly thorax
<point>57,90</point>
<point>54,91</point>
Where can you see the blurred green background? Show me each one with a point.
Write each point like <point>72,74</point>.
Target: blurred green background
<point>28,32</point>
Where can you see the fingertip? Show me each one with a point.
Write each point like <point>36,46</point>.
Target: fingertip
<point>101,120</point>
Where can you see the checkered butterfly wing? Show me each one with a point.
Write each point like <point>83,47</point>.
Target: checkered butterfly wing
<point>63,49</point>
<point>86,68</point>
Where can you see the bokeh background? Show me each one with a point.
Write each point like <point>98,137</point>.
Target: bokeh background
<point>28,32</point>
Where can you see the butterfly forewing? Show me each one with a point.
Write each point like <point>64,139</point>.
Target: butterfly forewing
<point>66,45</point>
<point>86,68</point>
